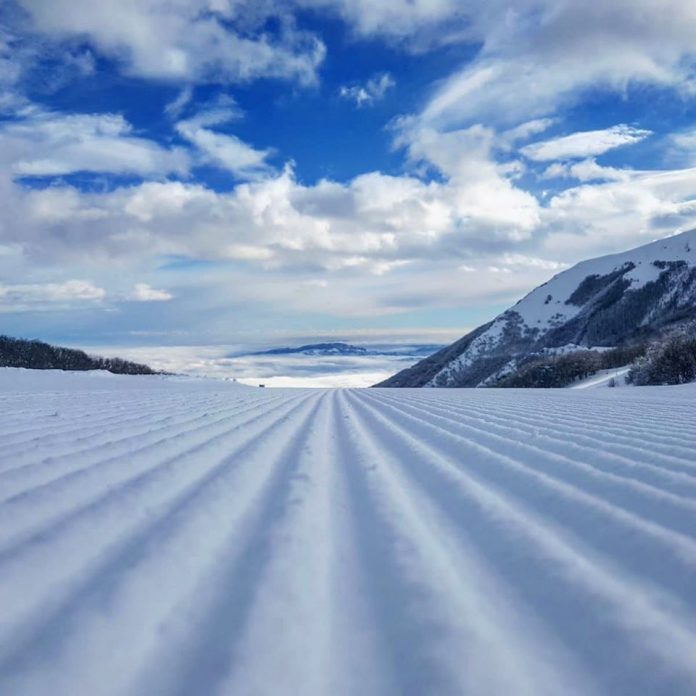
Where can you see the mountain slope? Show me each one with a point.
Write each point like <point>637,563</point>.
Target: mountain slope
<point>606,301</point>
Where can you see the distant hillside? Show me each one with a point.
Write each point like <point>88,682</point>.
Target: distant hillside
<point>619,300</point>
<point>331,349</point>
<point>316,349</point>
<point>36,355</point>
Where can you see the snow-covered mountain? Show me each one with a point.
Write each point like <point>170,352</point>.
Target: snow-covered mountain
<point>608,301</point>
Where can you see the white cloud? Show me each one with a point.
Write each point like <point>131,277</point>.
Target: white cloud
<point>185,40</point>
<point>584,144</point>
<point>418,23</point>
<point>510,138</point>
<point>483,195</point>
<point>535,54</point>
<point>586,170</point>
<point>23,296</point>
<point>54,144</point>
<point>142,292</point>
<point>369,223</point>
<point>276,371</point>
<point>681,148</point>
<point>538,55</point>
<point>685,140</point>
<point>219,111</point>
<point>11,59</point>
<point>177,105</point>
<point>375,245</point>
<point>45,143</point>
<point>226,151</point>
<point>516,260</point>
<point>372,224</point>
<point>370,92</point>
<point>592,219</point>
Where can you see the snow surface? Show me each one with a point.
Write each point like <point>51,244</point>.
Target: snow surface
<point>601,378</point>
<point>172,536</point>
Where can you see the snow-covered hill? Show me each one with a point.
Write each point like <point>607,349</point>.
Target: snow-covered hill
<point>168,536</point>
<point>601,302</point>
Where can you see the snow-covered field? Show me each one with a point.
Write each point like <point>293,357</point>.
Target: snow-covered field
<point>170,536</point>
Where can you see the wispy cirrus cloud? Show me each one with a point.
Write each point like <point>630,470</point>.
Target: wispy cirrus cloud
<point>412,25</point>
<point>45,143</point>
<point>369,92</point>
<point>46,296</point>
<point>174,108</point>
<point>222,149</point>
<point>584,144</point>
<point>586,170</point>
<point>548,53</point>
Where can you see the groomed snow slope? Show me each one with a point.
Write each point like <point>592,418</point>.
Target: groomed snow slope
<point>189,537</point>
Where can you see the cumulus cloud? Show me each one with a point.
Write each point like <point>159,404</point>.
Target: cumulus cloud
<point>595,218</point>
<point>370,92</point>
<point>483,196</point>
<point>362,241</point>
<point>142,292</point>
<point>373,223</point>
<point>584,144</point>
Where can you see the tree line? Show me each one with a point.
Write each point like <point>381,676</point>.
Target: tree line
<point>36,355</point>
<point>556,371</point>
<point>671,360</point>
<point>668,359</point>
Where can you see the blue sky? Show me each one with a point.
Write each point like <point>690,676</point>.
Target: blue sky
<point>200,173</point>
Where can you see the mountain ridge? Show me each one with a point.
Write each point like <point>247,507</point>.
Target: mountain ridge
<point>340,348</point>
